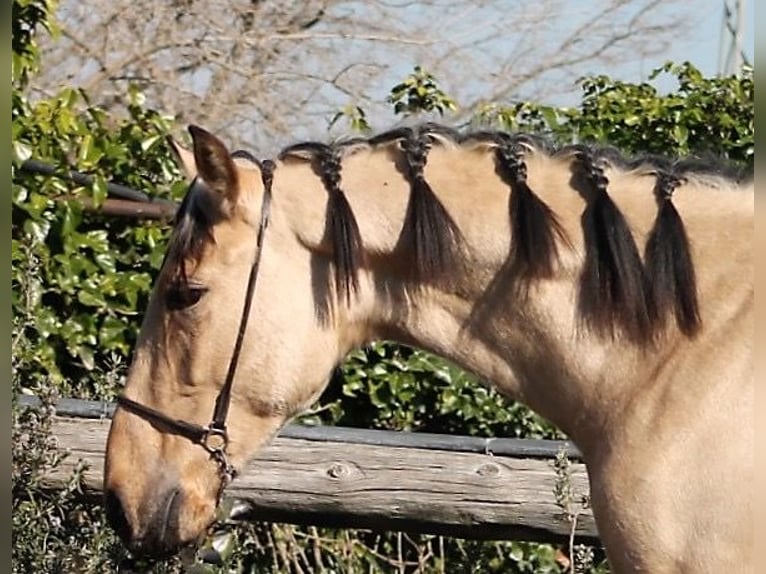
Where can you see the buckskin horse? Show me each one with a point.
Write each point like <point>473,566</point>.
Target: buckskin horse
<point>612,295</point>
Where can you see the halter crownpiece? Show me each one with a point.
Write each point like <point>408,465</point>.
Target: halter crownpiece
<point>214,437</point>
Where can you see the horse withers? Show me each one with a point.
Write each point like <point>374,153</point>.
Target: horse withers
<point>612,295</point>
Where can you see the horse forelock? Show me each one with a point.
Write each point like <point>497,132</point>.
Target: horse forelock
<point>191,231</point>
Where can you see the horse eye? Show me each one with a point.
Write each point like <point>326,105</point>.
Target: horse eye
<point>183,296</point>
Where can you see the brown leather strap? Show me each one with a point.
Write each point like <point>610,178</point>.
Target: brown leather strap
<point>224,397</point>
<point>192,431</point>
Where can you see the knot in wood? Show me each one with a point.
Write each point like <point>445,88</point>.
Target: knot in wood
<point>338,470</point>
<point>488,469</point>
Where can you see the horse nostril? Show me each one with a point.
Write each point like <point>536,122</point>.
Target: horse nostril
<point>115,515</point>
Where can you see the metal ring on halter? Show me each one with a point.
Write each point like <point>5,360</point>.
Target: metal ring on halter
<point>218,451</point>
<point>211,435</point>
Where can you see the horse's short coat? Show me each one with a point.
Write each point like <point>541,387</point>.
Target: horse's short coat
<point>612,296</point>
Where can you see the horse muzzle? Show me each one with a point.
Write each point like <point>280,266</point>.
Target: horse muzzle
<point>171,520</point>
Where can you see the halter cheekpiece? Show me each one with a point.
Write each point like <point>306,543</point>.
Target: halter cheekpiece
<point>214,437</point>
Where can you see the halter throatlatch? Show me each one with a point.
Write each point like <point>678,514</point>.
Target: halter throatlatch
<point>214,437</point>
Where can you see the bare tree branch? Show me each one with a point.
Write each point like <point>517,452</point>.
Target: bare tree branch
<point>264,73</point>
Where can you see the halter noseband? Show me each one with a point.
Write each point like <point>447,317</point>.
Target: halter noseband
<point>214,437</point>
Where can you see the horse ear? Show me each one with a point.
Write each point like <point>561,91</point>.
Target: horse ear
<point>214,164</point>
<point>184,158</point>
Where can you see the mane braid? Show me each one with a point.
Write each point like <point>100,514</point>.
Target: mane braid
<point>342,226</point>
<point>433,234</point>
<point>390,136</point>
<point>432,129</point>
<point>669,263</point>
<point>244,154</point>
<point>613,290</point>
<point>534,226</point>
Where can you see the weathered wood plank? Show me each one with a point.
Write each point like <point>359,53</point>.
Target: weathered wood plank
<point>340,484</point>
<point>514,447</point>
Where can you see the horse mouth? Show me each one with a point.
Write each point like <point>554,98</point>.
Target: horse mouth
<point>171,515</point>
<point>162,538</point>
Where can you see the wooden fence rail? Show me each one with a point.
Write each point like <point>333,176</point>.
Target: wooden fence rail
<point>458,486</point>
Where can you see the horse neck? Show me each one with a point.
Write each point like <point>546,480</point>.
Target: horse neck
<point>527,343</point>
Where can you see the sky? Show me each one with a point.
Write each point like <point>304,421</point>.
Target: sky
<point>700,42</point>
<point>702,46</point>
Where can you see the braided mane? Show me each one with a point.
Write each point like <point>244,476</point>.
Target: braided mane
<point>620,291</point>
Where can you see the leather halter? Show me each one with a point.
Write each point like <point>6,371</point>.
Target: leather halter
<point>214,437</point>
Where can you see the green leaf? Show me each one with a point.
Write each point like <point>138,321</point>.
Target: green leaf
<point>37,229</point>
<point>91,298</point>
<point>99,190</point>
<point>21,152</point>
<point>149,142</point>
<point>111,332</point>
<point>681,135</point>
<point>86,356</point>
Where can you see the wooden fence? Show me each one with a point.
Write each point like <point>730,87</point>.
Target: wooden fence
<point>340,477</point>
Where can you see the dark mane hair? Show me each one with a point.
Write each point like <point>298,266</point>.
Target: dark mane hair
<point>190,233</point>
<point>613,288</point>
<point>620,291</point>
<point>341,227</point>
